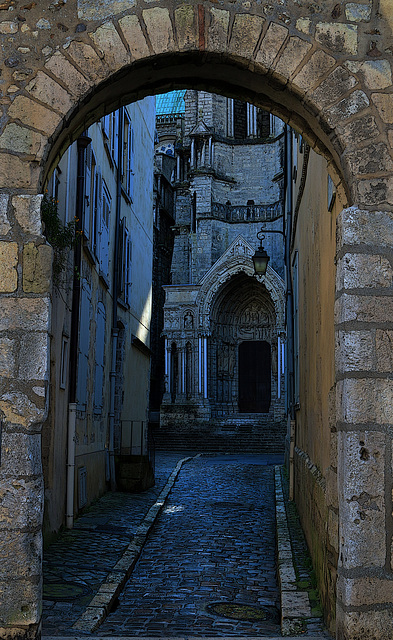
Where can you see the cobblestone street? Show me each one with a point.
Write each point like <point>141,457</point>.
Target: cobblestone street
<point>214,542</point>
<point>212,545</point>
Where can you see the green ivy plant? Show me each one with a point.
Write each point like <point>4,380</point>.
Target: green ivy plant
<point>61,237</point>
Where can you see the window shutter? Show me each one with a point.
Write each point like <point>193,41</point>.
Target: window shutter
<point>130,167</point>
<point>120,259</point>
<point>115,142</point>
<point>104,233</point>
<point>87,204</point>
<point>99,357</point>
<point>128,268</point>
<point>83,347</point>
<point>97,213</point>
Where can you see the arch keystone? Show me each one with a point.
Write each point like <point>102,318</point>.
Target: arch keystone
<point>217,32</point>
<point>186,27</point>
<point>159,29</point>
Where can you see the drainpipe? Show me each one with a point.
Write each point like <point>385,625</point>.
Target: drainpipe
<point>115,331</point>
<point>289,305</point>
<point>82,143</point>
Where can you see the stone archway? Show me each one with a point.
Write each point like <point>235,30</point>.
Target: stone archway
<point>327,72</point>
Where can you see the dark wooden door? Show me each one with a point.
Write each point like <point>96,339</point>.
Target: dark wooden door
<point>254,377</point>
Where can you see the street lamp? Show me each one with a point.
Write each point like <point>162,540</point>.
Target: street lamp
<point>261,257</point>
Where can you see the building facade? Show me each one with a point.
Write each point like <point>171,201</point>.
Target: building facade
<point>101,313</point>
<point>224,329</point>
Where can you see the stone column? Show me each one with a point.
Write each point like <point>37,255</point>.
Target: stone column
<point>25,276</point>
<point>364,414</point>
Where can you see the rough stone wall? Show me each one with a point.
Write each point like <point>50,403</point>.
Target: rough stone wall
<point>326,69</point>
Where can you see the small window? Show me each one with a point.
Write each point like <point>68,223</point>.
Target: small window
<point>128,157</point>
<point>124,264</point>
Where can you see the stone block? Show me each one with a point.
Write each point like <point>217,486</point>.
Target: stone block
<point>369,159</point>
<point>291,57</point>
<point>93,10</point>
<point>359,625</point>
<point>245,34</point>
<point>376,74</point>
<point>365,401</point>
<point>359,271</point>
<point>354,351</point>
<point>350,106</point>
<point>27,211</point>
<point>16,173</point>
<point>8,27</point>
<point>19,410</point>
<point>361,481</point>
<point>312,72</point>
<point>295,604</point>
<point>271,44</point>
<point>87,59</point>
<point>355,12</point>
<point>34,357</point>
<point>21,503</point>
<point>363,128</point>
<point>50,92</point>
<point>20,606</point>
<point>384,350</point>
<point>22,140</point>
<point>21,553</point>
<point>338,37</point>
<point>33,114</point>
<point>384,104</point>
<point>24,314</point>
<point>337,84</point>
<point>62,68</point>
<point>133,34</point>
<point>186,27</point>
<point>159,29</point>
<point>8,267</point>
<point>7,358</point>
<point>374,192</point>
<point>217,33</point>
<point>359,592</point>
<point>110,45</point>
<point>4,222</point>
<point>20,457</point>
<point>359,227</point>
<point>37,268</point>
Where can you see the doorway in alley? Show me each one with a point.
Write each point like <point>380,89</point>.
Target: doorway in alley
<point>254,376</point>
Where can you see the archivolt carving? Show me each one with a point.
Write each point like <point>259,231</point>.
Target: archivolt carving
<point>216,278</point>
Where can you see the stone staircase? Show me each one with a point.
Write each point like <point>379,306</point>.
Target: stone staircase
<point>239,433</point>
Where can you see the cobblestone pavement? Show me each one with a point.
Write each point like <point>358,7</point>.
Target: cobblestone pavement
<point>78,562</point>
<point>214,542</point>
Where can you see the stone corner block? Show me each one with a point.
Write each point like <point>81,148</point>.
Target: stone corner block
<point>37,268</point>
<point>8,267</point>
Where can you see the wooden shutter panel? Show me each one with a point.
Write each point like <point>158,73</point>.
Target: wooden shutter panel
<point>99,356</point>
<point>87,204</point>
<point>83,346</point>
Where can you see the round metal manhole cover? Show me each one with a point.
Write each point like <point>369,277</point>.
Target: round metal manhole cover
<point>245,612</point>
<point>64,591</point>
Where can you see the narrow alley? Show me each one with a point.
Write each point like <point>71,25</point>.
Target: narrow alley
<point>207,568</point>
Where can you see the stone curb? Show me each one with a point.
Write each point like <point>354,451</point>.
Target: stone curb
<point>295,604</point>
<point>103,601</point>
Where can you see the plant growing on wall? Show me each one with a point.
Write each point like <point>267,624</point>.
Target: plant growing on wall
<point>60,236</point>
